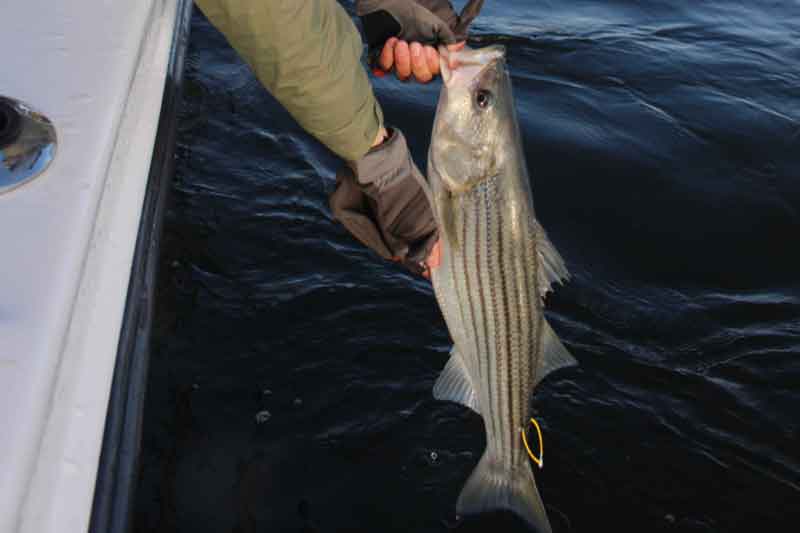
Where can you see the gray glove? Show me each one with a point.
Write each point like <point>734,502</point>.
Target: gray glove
<point>381,202</point>
<point>426,21</point>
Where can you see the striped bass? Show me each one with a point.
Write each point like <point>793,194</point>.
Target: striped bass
<point>496,266</point>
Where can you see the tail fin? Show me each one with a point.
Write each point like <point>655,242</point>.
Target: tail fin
<point>493,486</point>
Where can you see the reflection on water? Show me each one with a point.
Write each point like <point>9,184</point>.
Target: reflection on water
<point>663,139</point>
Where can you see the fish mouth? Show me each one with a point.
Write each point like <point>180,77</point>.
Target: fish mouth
<point>461,67</point>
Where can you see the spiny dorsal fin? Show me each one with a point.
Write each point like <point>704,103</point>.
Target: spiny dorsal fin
<point>554,355</point>
<point>455,385</point>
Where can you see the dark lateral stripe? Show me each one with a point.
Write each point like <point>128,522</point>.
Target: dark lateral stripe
<point>494,359</point>
<point>491,323</point>
<point>480,202</point>
<point>505,355</point>
<point>502,355</point>
<point>516,319</point>
<point>528,369</point>
<point>455,286</point>
<point>526,326</point>
<point>531,303</point>
<point>495,281</point>
<point>467,285</point>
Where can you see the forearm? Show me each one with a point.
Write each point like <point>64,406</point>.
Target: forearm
<point>307,54</point>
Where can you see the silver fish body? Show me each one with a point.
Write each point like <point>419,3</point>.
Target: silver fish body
<point>496,266</point>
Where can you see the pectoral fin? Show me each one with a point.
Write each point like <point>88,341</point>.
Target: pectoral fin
<point>455,385</point>
<point>447,218</point>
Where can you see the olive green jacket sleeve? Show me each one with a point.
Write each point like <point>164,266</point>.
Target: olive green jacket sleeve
<point>307,53</point>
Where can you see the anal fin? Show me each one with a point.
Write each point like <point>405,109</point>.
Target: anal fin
<point>455,385</point>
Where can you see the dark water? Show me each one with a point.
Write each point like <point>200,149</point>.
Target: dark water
<point>664,144</point>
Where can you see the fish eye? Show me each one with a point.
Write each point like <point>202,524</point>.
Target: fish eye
<point>483,98</point>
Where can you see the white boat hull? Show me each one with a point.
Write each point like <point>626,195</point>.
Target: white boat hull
<point>97,70</point>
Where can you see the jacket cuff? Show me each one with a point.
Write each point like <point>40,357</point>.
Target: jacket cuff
<point>384,162</point>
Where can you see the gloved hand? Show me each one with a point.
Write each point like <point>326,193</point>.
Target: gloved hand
<point>381,202</point>
<point>403,35</point>
<point>425,21</point>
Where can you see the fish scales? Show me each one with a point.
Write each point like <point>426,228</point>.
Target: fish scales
<point>492,271</point>
<point>496,266</point>
<point>467,216</point>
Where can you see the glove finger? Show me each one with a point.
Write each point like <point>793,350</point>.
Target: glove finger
<point>423,26</point>
<point>425,21</point>
<point>446,36</point>
<point>442,9</point>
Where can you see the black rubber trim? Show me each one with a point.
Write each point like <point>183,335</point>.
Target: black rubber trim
<point>10,123</point>
<point>118,472</point>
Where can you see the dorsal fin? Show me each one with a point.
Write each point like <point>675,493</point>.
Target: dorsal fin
<point>551,265</point>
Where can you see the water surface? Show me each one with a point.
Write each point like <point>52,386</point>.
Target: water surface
<point>291,378</point>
